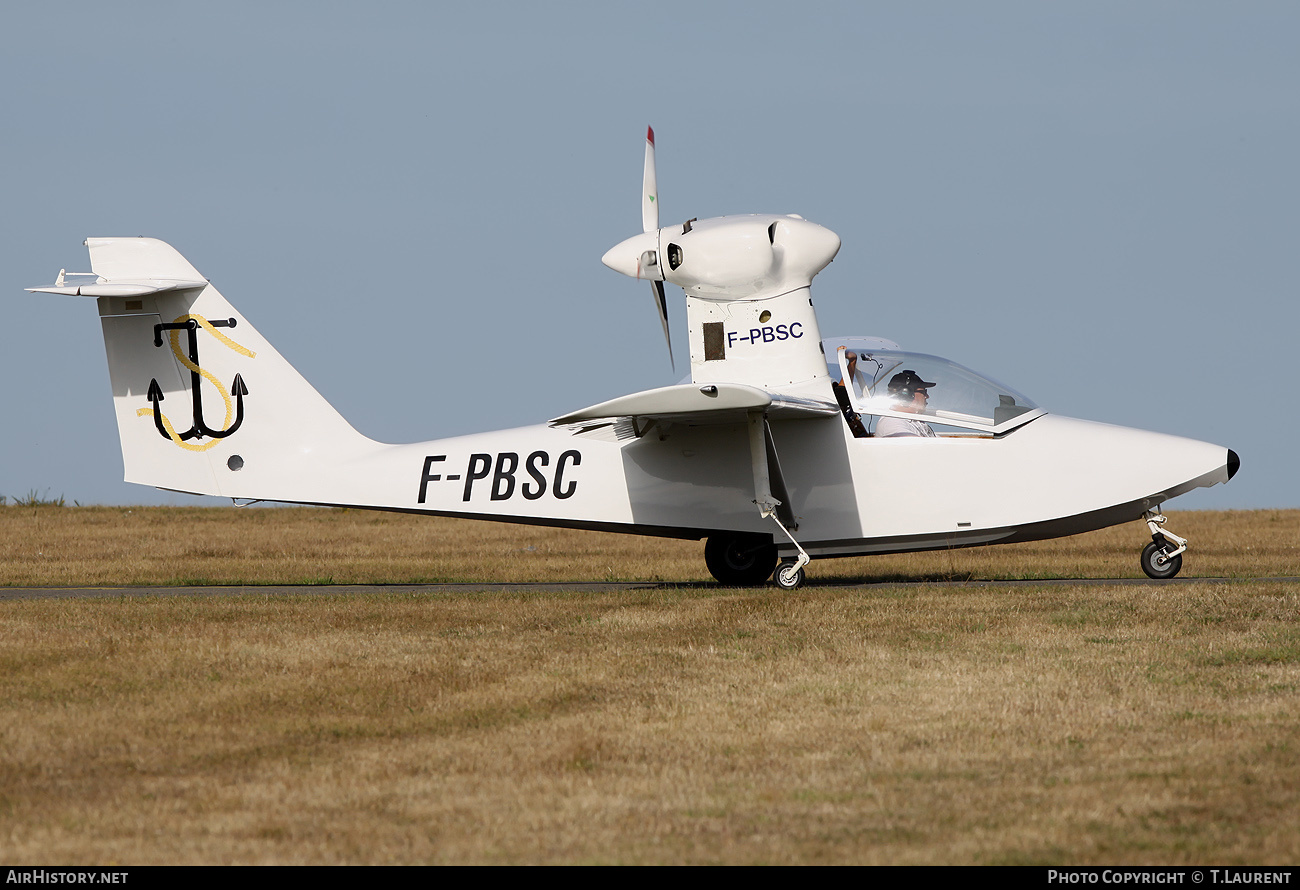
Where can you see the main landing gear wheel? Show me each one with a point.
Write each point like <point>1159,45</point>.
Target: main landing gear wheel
<point>789,575</point>
<point>1157,563</point>
<point>738,559</point>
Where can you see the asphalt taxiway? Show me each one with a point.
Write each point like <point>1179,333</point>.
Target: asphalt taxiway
<point>33,593</point>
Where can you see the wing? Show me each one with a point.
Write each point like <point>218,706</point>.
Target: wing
<point>695,405</point>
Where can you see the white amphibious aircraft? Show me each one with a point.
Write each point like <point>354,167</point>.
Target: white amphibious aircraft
<point>783,445</point>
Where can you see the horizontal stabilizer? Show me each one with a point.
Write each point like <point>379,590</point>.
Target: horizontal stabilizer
<point>699,404</point>
<point>120,288</point>
<point>129,267</point>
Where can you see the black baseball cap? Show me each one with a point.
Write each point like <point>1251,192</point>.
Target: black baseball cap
<point>908,382</point>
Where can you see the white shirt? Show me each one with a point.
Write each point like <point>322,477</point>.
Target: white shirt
<point>891,427</point>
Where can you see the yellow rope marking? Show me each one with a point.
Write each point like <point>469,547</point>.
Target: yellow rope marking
<point>171,431</point>
<point>185,360</point>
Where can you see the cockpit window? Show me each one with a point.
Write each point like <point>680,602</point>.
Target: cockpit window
<point>957,397</point>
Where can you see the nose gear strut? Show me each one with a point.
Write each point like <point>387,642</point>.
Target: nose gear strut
<point>1163,557</point>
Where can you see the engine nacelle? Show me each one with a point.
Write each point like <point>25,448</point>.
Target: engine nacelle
<point>729,257</point>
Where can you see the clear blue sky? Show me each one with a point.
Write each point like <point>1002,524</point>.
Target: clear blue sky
<point>1097,203</point>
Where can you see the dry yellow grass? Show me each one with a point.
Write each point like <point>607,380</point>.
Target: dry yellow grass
<point>171,545</point>
<point>837,724</point>
<point>898,725</point>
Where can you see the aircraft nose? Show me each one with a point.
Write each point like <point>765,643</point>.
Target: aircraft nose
<point>1234,463</point>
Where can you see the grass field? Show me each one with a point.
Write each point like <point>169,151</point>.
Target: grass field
<point>115,546</point>
<point>909,723</point>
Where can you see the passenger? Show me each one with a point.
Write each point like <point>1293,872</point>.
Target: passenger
<point>912,395</point>
<point>840,389</point>
<point>855,378</point>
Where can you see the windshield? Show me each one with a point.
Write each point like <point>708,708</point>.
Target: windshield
<point>882,382</point>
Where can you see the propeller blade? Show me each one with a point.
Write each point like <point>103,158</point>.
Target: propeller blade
<point>649,186</point>
<point>661,303</point>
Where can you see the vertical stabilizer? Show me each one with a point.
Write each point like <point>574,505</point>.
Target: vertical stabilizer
<point>204,403</point>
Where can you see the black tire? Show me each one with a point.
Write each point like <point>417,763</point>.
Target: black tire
<point>785,578</point>
<point>738,559</point>
<point>1157,565</point>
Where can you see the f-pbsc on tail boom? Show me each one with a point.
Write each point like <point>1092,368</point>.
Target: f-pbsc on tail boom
<point>783,447</point>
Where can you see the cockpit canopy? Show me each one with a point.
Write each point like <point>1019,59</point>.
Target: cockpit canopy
<point>959,398</point>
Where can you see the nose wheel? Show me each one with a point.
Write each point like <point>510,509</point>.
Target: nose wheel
<point>1157,563</point>
<point>1163,557</point>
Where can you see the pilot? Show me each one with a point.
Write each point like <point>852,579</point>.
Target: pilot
<point>912,395</point>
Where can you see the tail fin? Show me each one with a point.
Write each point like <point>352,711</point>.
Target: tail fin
<point>204,403</point>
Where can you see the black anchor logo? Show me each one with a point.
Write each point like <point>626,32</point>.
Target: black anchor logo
<point>155,395</point>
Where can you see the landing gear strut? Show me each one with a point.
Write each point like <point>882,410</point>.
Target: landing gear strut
<point>767,470</point>
<point>1163,557</point>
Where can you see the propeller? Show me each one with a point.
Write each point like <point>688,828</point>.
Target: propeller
<point>649,186</point>
<point>649,264</point>
<point>657,287</point>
